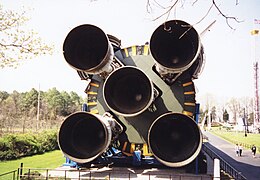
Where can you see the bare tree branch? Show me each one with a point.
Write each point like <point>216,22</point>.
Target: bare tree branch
<point>168,11</point>
<point>225,16</point>
<point>148,6</point>
<point>170,8</point>
<point>205,15</point>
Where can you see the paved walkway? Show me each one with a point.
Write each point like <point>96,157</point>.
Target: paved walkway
<point>246,164</point>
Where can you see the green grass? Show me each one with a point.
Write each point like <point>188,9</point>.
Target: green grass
<point>51,159</point>
<point>239,137</point>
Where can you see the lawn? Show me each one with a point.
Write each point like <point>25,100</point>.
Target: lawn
<point>51,159</point>
<point>239,137</point>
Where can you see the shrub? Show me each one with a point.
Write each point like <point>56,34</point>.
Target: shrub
<point>8,155</point>
<point>48,141</point>
<point>26,144</point>
<point>13,146</point>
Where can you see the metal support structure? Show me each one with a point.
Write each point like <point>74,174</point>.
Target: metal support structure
<point>255,33</point>
<point>197,113</point>
<point>256,98</point>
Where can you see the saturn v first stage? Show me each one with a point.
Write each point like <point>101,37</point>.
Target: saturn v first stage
<point>139,98</point>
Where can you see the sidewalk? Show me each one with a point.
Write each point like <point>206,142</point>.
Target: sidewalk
<point>246,164</point>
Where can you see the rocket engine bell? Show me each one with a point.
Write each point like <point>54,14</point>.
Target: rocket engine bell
<point>175,139</point>
<point>175,46</point>
<point>128,91</point>
<point>87,48</point>
<point>84,136</point>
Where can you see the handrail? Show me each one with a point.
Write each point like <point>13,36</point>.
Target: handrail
<point>83,174</point>
<point>223,164</point>
<point>10,172</point>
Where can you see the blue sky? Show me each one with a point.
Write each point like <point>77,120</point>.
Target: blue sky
<point>228,71</point>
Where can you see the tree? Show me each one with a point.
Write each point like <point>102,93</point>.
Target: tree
<point>16,42</point>
<point>18,111</point>
<point>28,106</point>
<point>29,100</point>
<point>3,96</point>
<point>75,98</point>
<point>55,102</point>
<point>10,111</point>
<point>213,114</point>
<point>225,116</point>
<point>66,103</point>
<point>77,101</point>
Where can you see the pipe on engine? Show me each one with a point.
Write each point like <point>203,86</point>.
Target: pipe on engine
<point>128,91</point>
<point>84,136</point>
<point>174,45</point>
<point>87,48</point>
<point>175,139</point>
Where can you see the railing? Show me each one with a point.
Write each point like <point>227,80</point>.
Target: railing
<point>106,174</point>
<point>8,175</point>
<point>223,164</point>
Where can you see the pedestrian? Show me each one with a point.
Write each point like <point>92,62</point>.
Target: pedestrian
<point>240,147</point>
<point>237,150</point>
<point>253,150</point>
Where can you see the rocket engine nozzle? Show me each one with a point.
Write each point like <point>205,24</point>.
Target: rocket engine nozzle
<point>84,136</point>
<point>175,139</point>
<point>87,48</point>
<point>175,46</point>
<point>128,91</point>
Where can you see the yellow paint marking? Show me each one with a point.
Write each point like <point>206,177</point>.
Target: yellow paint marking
<point>92,93</point>
<point>94,84</point>
<point>145,150</point>
<point>133,50</point>
<point>187,84</point>
<point>92,103</point>
<point>189,104</point>
<point>132,148</point>
<point>94,111</point>
<point>126,52</point>
<point>189,93</point>
<point>187,113</point>
<point>146,49</point>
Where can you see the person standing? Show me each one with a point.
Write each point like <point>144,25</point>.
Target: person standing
<point>253,148</point>
<point>237,150</point>
<point>240,147</point>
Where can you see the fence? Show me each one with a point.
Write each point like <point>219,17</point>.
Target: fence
<point>223,164</point>
<point>100,174</point>
<point>124,173</point>
<point>9,175</point>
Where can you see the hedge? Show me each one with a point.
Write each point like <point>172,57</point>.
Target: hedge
<point>14,146</point>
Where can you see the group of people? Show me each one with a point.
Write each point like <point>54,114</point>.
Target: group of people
<point>239,150</point>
